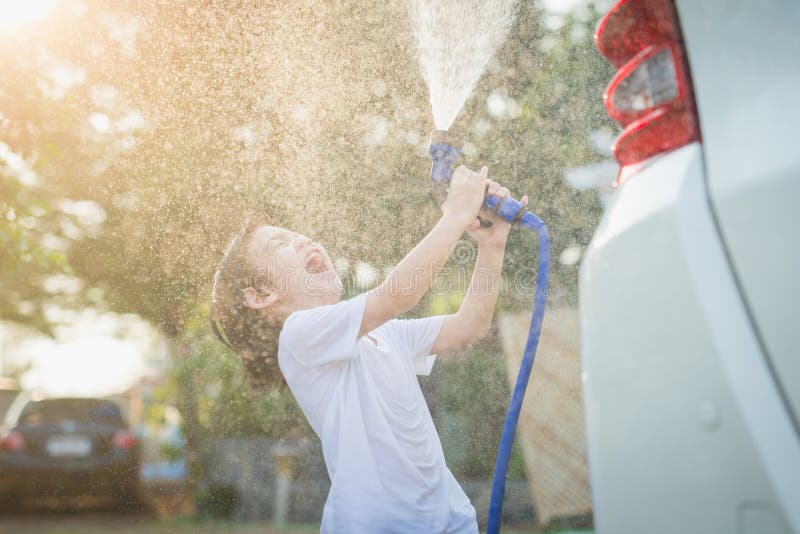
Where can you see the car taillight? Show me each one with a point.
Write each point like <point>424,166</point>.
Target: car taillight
<point>123,439</point>
<point>651,94</point>
<point>13,441</point>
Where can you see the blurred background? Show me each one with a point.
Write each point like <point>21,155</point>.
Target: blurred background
<point>135,140</point>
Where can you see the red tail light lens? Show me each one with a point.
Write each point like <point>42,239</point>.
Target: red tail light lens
<point>645,83</point>
<point>13,441</point>
<point>123,439</point>
<point>650,96</point>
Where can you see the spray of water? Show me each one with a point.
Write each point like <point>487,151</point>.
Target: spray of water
<point>456,39</point>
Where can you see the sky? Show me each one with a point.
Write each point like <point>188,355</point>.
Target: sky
<point>95,354</point>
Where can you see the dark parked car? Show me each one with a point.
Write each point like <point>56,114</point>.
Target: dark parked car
<point>68,447</point>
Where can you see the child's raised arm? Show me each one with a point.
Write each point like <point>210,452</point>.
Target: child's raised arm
<point>412,277</point>
<point>474,317</point>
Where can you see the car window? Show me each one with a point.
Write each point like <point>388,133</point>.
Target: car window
<point>56,411</point>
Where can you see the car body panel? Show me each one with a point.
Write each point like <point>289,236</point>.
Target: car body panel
<point>746,77</point>
<point>686,432</point>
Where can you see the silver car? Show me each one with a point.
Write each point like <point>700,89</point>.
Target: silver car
<point>689,288</point>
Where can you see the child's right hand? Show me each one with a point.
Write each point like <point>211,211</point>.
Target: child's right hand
<point>465,197</point>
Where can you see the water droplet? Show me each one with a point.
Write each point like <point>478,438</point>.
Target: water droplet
<point>100,122</point>
<point>496,104</point>
<point>710,415</point>
<point>378,88</point>
<point>570,255</point>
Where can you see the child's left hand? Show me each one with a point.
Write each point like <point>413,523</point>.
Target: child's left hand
<point>496,234</point>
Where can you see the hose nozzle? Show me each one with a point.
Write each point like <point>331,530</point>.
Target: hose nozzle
<point>444,149</point>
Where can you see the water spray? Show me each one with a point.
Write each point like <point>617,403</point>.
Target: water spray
<point>444,149</point>
<point>453,57</point>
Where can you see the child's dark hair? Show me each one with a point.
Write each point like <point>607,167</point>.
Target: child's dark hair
<point>248,332</point>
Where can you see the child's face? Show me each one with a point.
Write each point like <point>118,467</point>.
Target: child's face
<point>299,269</point>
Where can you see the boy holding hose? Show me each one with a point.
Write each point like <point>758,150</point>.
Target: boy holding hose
<point>351,364</point>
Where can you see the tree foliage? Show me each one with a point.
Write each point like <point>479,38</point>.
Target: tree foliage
<point>30,238</point>
<point>182,122</point>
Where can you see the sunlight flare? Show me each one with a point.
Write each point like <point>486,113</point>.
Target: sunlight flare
<point>14,13</point>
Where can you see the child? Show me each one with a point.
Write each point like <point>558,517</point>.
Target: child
<point>351,365</point>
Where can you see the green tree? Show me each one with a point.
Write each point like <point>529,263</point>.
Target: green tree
<point>28,222</point>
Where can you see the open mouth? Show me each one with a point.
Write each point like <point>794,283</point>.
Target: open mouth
<point>315,263</point>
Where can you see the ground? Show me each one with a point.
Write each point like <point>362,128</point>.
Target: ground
<point>87,516</point>
<point>101,523</point>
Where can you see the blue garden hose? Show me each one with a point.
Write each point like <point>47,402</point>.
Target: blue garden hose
<point>514,407</point>
<point>444,153</point>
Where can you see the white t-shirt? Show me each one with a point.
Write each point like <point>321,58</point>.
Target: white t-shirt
<point>383,454</point>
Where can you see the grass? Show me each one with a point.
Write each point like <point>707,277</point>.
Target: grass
<point>97,523</point>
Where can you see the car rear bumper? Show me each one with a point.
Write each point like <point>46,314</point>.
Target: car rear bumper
<point>27,479</point>
<point>685,429</point>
